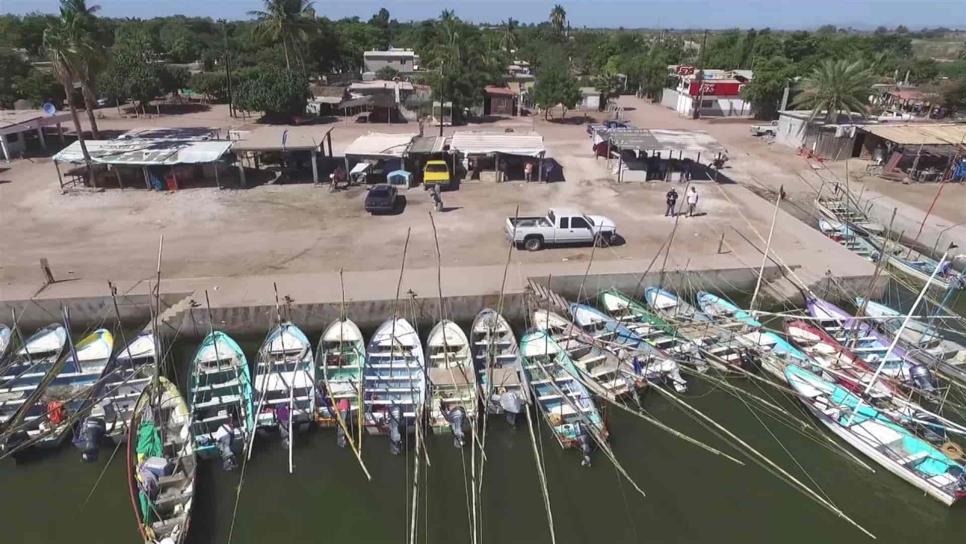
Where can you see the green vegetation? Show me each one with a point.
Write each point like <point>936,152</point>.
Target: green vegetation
<point>96,55</point>
<point>834,87</point>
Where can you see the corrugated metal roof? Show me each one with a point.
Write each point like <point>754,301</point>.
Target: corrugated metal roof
<point>493,89</point>
<point>269,138</point>
<point>426,145</point>
<point>376,144</point>
<point>507,143</point>
<point>691,141</point>
<point>145,152</point>
<point>629,138</point>
<point>920,134</point>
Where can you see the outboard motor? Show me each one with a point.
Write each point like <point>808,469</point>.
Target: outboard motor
<point>395,434</point>
<point>456,417</point>
<point>340,437</point>
<point>512,406</point>
<point>88,439</point>
<point>922,378</point>
<point>584,441</point>
<point>677,381</point>
<point>747,360</point>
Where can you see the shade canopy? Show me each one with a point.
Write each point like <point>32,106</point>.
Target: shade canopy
<point>380,145</point>
<point>507,143</point>
<point>140,152</point>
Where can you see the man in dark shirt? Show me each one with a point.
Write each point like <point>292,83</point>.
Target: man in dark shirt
<point>672,199</point>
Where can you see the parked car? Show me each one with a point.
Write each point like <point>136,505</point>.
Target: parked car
<point>763,130</point>
<point>560,227</point>
<point>381,198</point>
<point>436,172</point>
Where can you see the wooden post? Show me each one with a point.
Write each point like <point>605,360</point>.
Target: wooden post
<point>315,167</point>
<point>496,167</point>
<point>45,267</point>
<point>43,141</point>
<point>60,178</point>
<point>217,181</point>
<point>721,242</point>
<point>117,174</point>
<point>620,167</point>
<point>241,175</point>
<point>60,133</point>
<point>147,178</point>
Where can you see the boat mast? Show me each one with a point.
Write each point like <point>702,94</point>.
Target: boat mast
<point>764,257</point>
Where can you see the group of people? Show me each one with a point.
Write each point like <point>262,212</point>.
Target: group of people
<point>672,199</point>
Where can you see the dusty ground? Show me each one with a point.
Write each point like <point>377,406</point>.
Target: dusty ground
<point>300,228</point>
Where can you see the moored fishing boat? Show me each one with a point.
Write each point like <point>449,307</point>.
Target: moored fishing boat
<point>340,357</point>
<point>220,398</point>
<point>285,380</point>
<point>22,374</point>
<point>919,267</point>
<point>161,464</point>
<point>114,397</point>
<point>645,360</point>
<point>672,306</point>
<point>847,238</point>
<point>452,380</point>
<point>603,372</point>
<point>6,340</point>
<point>69,392</point>
<point>563,400</point>
<point>869,344</point>
<point>653,329</point>
<point>880,438</point>
<point>917,333</point>
<point>840,211</point>
<point>496,357</point>
<point>394,394</point>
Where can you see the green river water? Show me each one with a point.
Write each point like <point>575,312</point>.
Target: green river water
<point>692,495</point>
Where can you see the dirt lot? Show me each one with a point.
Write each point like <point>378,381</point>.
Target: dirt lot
<point>303,228</point>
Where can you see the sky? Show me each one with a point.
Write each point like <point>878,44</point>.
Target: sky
<point>782,14</point>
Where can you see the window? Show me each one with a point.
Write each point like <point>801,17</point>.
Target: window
<point>707,103</point>
<point>553,220</point>
<point>436,168</point>
<point>565,222</point>
<point>579,223</point>
<point>13,137</point>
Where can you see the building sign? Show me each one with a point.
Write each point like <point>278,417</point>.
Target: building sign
<point>715,88</point>
<point>684,70</point>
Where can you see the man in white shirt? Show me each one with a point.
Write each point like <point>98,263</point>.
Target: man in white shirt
<point>692,200</point>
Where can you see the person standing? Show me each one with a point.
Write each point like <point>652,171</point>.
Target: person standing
<point>528,171</point>
<point>672,199</point>
<point>692,200</point>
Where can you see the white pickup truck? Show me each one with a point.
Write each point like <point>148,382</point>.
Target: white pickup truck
<point>559,227</point>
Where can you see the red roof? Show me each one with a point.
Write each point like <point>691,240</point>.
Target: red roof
<point>492,89</point>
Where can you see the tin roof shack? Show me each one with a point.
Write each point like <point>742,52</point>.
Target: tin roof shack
<point>385,100</point>
<point>820,137</point>
<point>918,152</point>
<point>326,98</point>
<point>425,148</point>
<point>171,162</point>
<point>501,156</point>
<point>707,93</point>
<point>17,126</point>
<point>291,150</point>
<point>903,99</point>
<point>371,157</point>
<point>636,154</point>
<point>499,101</point>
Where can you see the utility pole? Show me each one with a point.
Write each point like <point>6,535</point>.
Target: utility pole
<point>699,76</point>
<point>231,102</point>
<point>442,101</point>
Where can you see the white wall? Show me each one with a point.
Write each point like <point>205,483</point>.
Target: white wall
<point>789,131</point>
<point>591,102</point>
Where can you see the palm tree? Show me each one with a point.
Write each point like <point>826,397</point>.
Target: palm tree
<point>91,59</point>
<point>508,40</point>
<point>835,86</point>
<point>558,18</point>
<point>62,40</point>
<point>285,21</point>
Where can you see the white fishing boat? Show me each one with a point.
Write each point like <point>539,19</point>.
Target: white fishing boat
<point>285,376</point>
<point>21,376</point>
<point>132,370</point>
<point>6,338</point>
<point>839,211</point>
<point>453,390</point>
<point>672,306</point>
<point>881,439</point>
<point>69,391</point>
<point>340,358</point>
<point>917,333</point>
<point>161,464</point>
<point>394,394</point>
<point>496,356</point>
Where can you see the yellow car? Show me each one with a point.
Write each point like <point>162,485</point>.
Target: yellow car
<point>436,173</point>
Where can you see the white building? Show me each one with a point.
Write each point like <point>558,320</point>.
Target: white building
<point>16,126</point>
<point>718,94</point>
<point>404,61</point>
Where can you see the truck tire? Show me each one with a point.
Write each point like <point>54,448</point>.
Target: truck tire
<point>602,240</point>
<point>533,243</point>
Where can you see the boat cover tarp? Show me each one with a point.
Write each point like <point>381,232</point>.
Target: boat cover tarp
<point>148,445</point>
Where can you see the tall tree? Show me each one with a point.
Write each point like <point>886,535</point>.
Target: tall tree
<point>89,57</point>
<point>508,36</point>
<point>558,18</point>
<point>286,22</point>
<point>61,42</point>
<point>834,87</point>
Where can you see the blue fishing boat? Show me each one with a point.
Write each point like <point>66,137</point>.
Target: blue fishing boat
<point>880,438</point>
<point>220,396</point>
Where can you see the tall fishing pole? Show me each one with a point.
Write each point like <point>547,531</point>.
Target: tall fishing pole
<point>764,257</point>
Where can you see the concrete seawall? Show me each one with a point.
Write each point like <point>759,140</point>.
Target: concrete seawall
<point>246,306</point>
